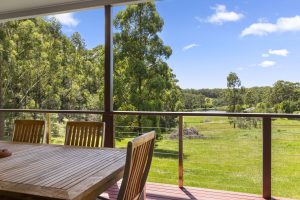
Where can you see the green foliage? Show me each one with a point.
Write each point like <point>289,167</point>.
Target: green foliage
<point>143,78</point>
<point>234,93</point>
<point>210,93</point>
<point>41,68</point>
<point>193,101</point>
<point>263,108</point>
<point>245,122</point>
<point>283,97</point>
<point>208,103</point>
<point>285,91</point>
<point>45,69</point>
<point>287,107</point>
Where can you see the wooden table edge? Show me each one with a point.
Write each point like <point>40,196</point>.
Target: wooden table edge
<point>91,193</point>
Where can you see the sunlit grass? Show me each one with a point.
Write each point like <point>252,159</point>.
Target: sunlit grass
<point>227,158</point>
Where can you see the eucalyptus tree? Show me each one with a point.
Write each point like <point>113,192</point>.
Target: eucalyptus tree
<point>285,91</point>
<point>233,94</point>
<point>4,57</point>
<point>142,56</point>
<point>234,97</point>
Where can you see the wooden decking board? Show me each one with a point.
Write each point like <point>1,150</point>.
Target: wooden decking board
<point>156,191</point>
<point>176,190</point>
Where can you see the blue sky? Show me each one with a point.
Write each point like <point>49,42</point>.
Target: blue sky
<point>257,39</point>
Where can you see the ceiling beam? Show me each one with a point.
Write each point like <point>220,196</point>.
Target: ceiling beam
<point>75,5</point>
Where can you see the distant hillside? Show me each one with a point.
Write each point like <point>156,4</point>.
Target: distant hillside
<point>210,93</point>
<point>204,99</point>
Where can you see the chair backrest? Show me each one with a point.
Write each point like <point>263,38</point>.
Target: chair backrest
<point>86,134</point>
<point>31,131</point>
<point>138,162</point>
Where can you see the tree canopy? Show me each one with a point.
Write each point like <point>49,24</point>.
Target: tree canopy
<point>141,56</point>
<point>42,68</point>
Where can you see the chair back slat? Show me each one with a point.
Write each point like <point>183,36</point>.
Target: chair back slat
<point>31,131</point>
<point>82,135</point>
<point>138,162</point>
<point>87,134</point>
<point>92,136</point>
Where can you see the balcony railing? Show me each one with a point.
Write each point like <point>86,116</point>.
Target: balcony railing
<point>263,158</point>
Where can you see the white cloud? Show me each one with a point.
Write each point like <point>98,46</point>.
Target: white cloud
<point>66,19</point>
<point>240,68</point>
<point>283,24</point>
<point>221,15</point>
<point>279,52</point>
<point>190,46</point>
<point>265,55</point>
<point>267,63</point>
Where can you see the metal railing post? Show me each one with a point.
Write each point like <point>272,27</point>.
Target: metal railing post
<point>267,152</point>
<point>180,152</point>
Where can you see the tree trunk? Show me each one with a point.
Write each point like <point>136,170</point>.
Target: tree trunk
<point>139,106</point>
<point>139,124</point>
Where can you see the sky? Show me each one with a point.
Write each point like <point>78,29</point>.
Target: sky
<point>257,39</point>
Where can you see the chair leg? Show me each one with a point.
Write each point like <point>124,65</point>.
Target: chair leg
<point>101,198</point>
<point>143,195</point>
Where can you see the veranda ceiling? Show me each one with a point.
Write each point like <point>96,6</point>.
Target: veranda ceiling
<point>18,9</point>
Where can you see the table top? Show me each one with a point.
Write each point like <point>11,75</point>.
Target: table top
<point>58,172</point>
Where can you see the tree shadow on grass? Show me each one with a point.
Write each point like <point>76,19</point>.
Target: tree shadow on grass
<point>164,153</point>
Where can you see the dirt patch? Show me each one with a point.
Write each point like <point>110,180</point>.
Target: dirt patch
<point>190,133</point>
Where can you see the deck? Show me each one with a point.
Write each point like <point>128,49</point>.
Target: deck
<point>157,191</point>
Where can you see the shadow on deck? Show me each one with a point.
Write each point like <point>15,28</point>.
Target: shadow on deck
<point>157,191</point>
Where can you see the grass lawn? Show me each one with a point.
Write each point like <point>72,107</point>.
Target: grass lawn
<point>229,159</point>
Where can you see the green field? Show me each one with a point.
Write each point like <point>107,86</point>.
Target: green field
<point>229,159</point>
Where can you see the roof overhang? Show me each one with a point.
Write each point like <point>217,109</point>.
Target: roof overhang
<point>19,9</point>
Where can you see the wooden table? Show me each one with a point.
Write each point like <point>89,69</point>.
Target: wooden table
<point>56,172</point>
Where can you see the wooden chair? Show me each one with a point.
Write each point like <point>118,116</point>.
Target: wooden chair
<point>31,131</point>
<point>87,134</point>
<point>138,162</point>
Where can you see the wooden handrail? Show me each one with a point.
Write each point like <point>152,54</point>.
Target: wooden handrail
<point>212,114</point>
<point>52,111</point>
<point>158,113</point>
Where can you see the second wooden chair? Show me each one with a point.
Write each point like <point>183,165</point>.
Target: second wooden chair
<point>87,134</point>
<point>31,131</point>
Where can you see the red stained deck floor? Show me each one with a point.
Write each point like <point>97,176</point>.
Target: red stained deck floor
<point>156,191</point>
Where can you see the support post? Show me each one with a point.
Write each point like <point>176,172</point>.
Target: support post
<point>267,152</point>
<point>48,129</point>
<point>2,114</point>
<point>108,118</point>
<point>180,152</point>
<point>2,124</point>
